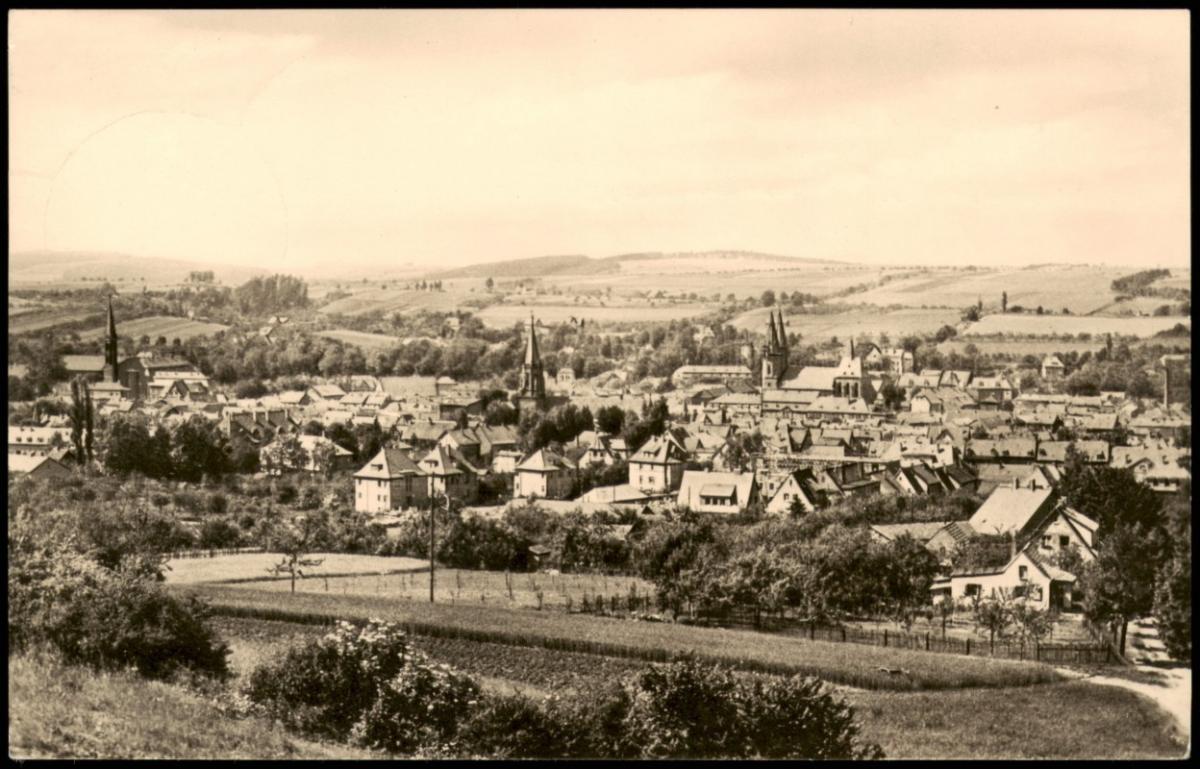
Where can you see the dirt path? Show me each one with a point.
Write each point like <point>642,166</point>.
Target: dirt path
<point>1168,684</point>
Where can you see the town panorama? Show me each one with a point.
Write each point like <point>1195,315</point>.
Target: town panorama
<point>313,454</point>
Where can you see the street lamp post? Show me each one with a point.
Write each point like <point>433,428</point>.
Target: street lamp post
<point>432,540</point>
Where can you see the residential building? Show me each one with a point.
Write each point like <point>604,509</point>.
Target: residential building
<point>389,481</point>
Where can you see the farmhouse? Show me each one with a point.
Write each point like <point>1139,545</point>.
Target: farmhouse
<point>1026,575</point>
<point>1052,368</point>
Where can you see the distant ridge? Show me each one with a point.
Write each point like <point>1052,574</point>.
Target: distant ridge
<point>541,266</point>
<point>32,267</point>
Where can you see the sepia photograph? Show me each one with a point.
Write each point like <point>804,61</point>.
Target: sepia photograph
<point>628,384</point>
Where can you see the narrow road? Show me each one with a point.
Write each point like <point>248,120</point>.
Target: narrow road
<point>1168,683</point>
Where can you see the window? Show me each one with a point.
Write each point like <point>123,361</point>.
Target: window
<point>1022,573</point>
<point>971,589</point>
<point>1046,541</point>
<point>1064,541</point>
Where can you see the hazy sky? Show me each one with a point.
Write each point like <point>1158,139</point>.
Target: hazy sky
<point>282,138</point>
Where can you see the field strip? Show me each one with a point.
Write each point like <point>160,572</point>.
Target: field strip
<point>849,664</point>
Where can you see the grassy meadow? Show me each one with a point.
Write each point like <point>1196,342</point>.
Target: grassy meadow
<point>1046,325</point>
<point>67,712</point>
<point>470,587</point>
<point>505,315</point>
<point>254,566</point>
<point>858,323</point>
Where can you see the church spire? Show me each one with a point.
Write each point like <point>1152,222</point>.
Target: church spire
<point>110,345</point>
<point>532,356</point>
<point>533,381</point>
<point>772,334</point>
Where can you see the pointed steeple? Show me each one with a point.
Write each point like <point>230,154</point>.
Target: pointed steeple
<point>112,321</point>
<point>110,345</point>
<point>533,381</point>
<point>532,357</point>
<point>783,340</point>
<point>772,334</point>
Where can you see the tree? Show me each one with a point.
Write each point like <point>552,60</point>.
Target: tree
<point>1004,301</point>
<point>198,451</point>
<point>80,415</point>
<point>293,543</point>
<point>892,395</point>
<point>489,283</point>
<point>1032,624</point>
<point>610,419</point>
<point>1173,600</point>
<point>993,615</point>
<point>1118,585</point>
<point>768,298</point>
<point>945,332</point>
<point>283,454</point>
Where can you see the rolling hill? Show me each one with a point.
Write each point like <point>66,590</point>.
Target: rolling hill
<point>706,261</point>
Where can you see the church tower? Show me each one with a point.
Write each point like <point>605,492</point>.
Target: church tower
<point>775,353</point>
<point>110,346</point>
<point>533,381</point>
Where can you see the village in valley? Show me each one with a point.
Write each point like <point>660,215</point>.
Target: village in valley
<point>648,505</point>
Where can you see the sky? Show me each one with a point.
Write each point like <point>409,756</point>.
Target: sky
<point>316,139</point>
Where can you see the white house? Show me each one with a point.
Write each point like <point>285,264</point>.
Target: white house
<point>390,481</point>
<point>658,465</point>
<point>709,492</point>
<point>544,474</point>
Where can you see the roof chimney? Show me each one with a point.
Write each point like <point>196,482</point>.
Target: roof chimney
<point>1016,483</point>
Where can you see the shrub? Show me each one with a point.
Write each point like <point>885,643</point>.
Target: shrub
<point>218,504</point>
<point>219,533</point>
<point>108,619</point>
<point>367,685</point>
<point>512,726</point>
<point>795,718</point>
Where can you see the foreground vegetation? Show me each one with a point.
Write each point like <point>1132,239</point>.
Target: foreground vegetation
<point>61,711</point>
<point>652,642</point>
<point>1070,720</point>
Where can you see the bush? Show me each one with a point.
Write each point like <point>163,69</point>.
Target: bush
<point>219,533</point>
<point>680,710</point>
<point>108,620</point>
<point>367,685</point>
<point>218,504</point>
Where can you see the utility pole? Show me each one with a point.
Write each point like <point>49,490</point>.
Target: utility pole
<point>432,508</point>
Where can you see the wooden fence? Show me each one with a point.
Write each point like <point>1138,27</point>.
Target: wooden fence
<point>212,552</point>
<point>1098,653</point>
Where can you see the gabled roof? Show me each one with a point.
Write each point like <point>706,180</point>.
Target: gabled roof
<point>660,450</point>
<point>388,464</point>
<point>921,532</point>
<point>545,461</point>
<point>695,482</point>
<point>1008,510</point>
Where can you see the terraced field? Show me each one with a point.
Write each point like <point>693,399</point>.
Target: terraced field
<point>859,323</point>
<point>29,320</point>
<point>1047,325</point>
<point>362,339</point>
<point>638,277</point>
<point>505,315</point>
<point>1080,288</point>
<point>156,326</point>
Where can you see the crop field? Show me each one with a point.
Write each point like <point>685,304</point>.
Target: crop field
<point>396,300</point>
<point>1081,288</point>
<point>820,281</point>
<point>42,318</point>
<point>1046,325</point>
<point>156,326</point>
<point>469,587</point>
<point>850,664</point>
<point>366,341</point>
<point>505,315</point>
<point>859,323</point>
<point>253,566</point>
<point>1018,348</point>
